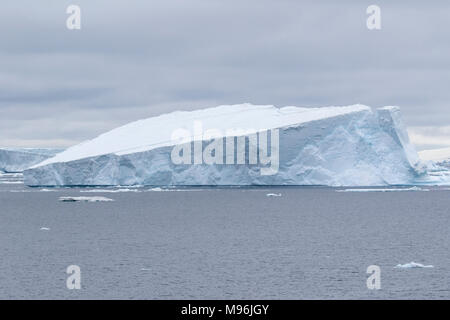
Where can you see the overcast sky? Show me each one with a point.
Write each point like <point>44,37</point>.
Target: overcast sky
<point>134,59</point>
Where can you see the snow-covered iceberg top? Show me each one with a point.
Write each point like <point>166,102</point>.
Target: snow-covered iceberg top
<point>338,146</point>
<point>19,159</point>
<point>156,132</point>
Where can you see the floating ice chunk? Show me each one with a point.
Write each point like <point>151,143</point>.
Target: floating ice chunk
<point>44,229</point>
<point>413,265</point>
<point>333,146</point>
<point>158,189</point>
<point>11,178</point>
<point>167,189</point>
<point>11,175</point>
<point>85,199</point>
<point>273,195</point>
<point>383,189</point>
<point>109,190</point>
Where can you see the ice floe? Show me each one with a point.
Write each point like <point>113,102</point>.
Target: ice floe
<point>382,189</point>
<point>413,265</point>
<point>109,190</point>
<point>85,199</point>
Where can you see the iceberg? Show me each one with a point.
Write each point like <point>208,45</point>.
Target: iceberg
<point>383,190</point>
<point>333,146</point>
<point>16,159</point>
<point>85,199</point>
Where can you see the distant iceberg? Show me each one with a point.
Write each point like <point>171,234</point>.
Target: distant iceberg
<point>333,146</point>
<point>438,165</point>
<point>383,189</point>
<point>19,159</point>
<point>436,155</point>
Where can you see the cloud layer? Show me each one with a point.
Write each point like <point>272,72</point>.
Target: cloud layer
<point>135,59</point>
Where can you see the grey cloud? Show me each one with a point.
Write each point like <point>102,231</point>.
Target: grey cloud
<point>135,59</point>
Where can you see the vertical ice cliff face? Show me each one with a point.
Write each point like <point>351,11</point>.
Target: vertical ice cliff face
<point>362,149</point>
<point>17,160</point>
<point>390,121</point>
<point>335,146</point>
<point>438,156</point>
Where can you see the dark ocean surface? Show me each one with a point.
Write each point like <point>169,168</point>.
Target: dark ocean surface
<point>223,243</point>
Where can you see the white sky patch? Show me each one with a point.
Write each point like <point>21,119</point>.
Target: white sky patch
<point>85,199</point>
<point>38,143</point>
<point>273,195</point>
<point>430,137</point>
<point>435,154</point>
<point>382,189</point>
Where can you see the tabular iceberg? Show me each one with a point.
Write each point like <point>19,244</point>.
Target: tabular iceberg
<point>334,146</point>
<point>19,159</point>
